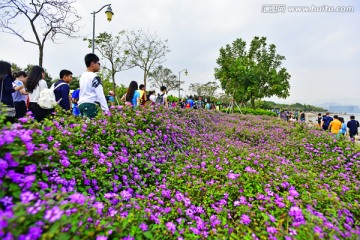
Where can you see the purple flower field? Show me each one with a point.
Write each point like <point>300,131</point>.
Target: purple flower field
<point>176,174</point>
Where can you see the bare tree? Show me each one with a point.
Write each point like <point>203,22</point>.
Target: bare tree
<point>164,77</point>
<point>146,51</point>
<point>111,48</point>
<point>207,89</point>
<point>47,20</point>
<point>210,88</point>
<point>197,89</point>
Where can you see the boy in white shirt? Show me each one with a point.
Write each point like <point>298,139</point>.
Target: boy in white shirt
<point>91,89</point>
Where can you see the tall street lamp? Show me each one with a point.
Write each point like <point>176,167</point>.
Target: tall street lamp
<point>186,73</point>
<point>109,13</point>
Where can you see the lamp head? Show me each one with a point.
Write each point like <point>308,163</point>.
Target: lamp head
<point>109,13</point>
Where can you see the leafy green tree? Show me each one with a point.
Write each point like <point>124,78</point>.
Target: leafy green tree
<point>291,107</point>
<point>252,74</point>
<point>75,83</point>
<point>15,67</point>
<point>164,77</point>
<point>113,50</point>
<point>108,84</point>
<point>172,98</point>
<point>146,51</point>
<point>47,19</point>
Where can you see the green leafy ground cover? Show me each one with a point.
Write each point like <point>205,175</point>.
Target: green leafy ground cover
<point>176,174</point>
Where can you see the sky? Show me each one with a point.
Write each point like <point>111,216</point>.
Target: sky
<point>322,49</point>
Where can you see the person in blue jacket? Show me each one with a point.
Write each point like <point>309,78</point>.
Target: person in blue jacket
<point>190,102</point>
<point>353,126</point>
<point>326,121</point>
<point>6,87</point>
<point>74,104</point>
<point>62,89</point>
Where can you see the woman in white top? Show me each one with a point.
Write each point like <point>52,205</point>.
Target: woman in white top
<point>152,96</point>
<point>35,83</point>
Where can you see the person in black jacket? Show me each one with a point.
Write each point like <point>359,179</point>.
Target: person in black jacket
<point>62,91</point>
<point>353,127</point>
<point>6,86</point>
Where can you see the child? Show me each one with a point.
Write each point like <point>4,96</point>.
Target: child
<point>343,126</point>
<point>319,119</point>
<point>91,89</point>
<point>74,102</point>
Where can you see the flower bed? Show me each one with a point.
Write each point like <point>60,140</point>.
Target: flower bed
<point>176,174</point>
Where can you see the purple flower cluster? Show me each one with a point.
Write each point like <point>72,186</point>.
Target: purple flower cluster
<point>206,173</point>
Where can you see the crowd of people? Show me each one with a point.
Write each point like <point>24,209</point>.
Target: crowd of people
<point>292,116</point>
<point>337,126</point>
<point>22,93</point>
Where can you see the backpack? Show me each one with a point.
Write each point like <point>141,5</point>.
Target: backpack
<point>187,105</point>
<point>160,98</point>
<point>47,98</point>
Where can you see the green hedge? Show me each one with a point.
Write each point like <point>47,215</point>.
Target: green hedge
<point>251,111</point>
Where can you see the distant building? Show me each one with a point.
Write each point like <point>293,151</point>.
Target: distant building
<point>344,109</point>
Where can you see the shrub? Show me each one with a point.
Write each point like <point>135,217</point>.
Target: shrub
<point>164,174</point>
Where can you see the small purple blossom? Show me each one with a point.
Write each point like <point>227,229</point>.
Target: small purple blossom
<point>245,219</point>
<point>271,230</point>
<point>30,169</point>
<point>143,227</point>
<point>53,214</point>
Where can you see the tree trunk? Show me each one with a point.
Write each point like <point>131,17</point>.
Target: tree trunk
<point>252,100</point>
<point>41,55</point>
<point>145,76</point>
<point>113,79</point>
<point>114,86</point>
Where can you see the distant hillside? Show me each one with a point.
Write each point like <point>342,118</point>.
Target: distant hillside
<point>291,107</point>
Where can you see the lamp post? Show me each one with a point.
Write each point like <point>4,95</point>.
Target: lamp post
<point>186,73</point>
<point>109,13</point>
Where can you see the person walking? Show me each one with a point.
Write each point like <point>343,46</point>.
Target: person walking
<point>319,118</point>
<point>91,89</point>
<point>62,89</point>
<point>6,82</point>
<point>34,85</point>
<point>335,125</point>
<point>343,126</point>
<point>132,96</point>
<point>74,102</point>
<point>353,127</point>
<point>189,102</point>
<point>326,121</point>
<point>20,95</point>
<point>302,116</point>
<point>162,97</point>
<point>182,103</point>
<point>152,97</point>
<point>143,97</point>
<point>110,98</point>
